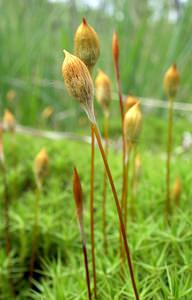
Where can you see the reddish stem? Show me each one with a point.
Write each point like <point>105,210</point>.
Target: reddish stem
<point>105,242</point>
<point>120,95</point>
<point>35,235</point>
<point>122,226</point>
<point>92,210</point>
<point>169,152</point>
<point>134,182</point>
<point>86,267</point>
<point>125,204</point>
<point>6,213</point>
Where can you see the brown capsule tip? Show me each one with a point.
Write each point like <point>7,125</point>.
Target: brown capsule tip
<point>115,47</point>
<point>130,102</point>
<point>174,66</point>
<point>84,21</point>
<point>137,105</point>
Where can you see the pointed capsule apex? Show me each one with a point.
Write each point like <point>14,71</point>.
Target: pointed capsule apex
<point>174,66</point>
<point>130,102</point>
<point>65,52</point>
<point>138,104</point>
<point>84,21</point>
<point>115,47</point>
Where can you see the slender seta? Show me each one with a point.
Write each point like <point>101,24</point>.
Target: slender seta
<point>132,129</point>
<point>41,165</point>
<point>87,48</point>
<point>103,96</point>
<point>78,196</point>
<point>80,85</point>
<point>171,83</point>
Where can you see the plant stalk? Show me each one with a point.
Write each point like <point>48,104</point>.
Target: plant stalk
<point>120,95</point>
<point>134,183</point>
<point>6,198</point>
<point>119,211</point>
<point>6,212</point>
<point>35,234</point>
<point>85,261</point>
<point>13,148</point>
<point>92,211</point>
<point>106,137</point>
<point>126,186</point>
<point>168,161</point>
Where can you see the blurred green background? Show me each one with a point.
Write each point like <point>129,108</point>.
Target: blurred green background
<point>153,34</point>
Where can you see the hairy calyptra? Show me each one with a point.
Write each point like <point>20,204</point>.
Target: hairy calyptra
<point>79,83</point>
<point>86,44</point>
<point>176,191</point>
<point>9,122</point>
<point>41,164</point>
<point>132,124</point>
<point>171,81</point>
<point>103,90</point>
<point>47,112</point>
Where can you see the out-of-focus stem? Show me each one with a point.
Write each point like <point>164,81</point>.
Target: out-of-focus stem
<point>13,150</point>
<point>85,261</point>
<point>6,212</point>
<point>105,243</point>
<point>92,210</point>
<point>35,234</point>
<point>6,198</point>
<point>133,185</point>
<point>122,226</point>
<point>13,142</point>
<point>120,95</point>
<point>117,76</point>
<point>126,187</point>
<point>168,161</point>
